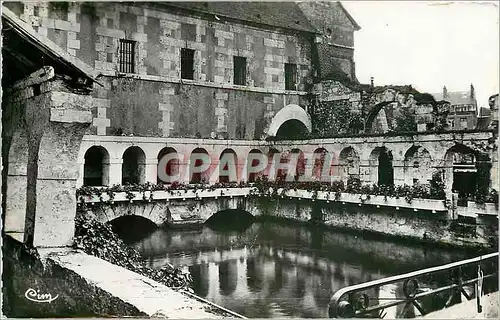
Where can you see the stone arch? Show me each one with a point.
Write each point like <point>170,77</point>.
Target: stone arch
<point>96,166</point>
<point>290,112</point>
<point>199,159</point>
<point>321,166</point>
<point>254,162</point>
<point>348,163</point>
<point>372,115</point>
<point>134,165</point>
<point>171,167</point>
<point>460,171</point>
<point>134,227</point>
<point>417,165</point>
<point>228,166</point>
<point>381,167</point>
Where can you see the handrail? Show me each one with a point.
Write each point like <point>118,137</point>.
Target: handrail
<point>351,302</point>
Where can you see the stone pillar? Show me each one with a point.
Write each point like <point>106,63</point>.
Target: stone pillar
<point>15,210</point>
<point>151,168</point>
<point>115,171</point>
<point>81,172</point>
<point>399,173</point>
<point>364,172</point>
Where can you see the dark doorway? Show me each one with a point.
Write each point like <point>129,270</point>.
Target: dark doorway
<point>133,166</point>
<point>95,169</point>
<point>385,169</point>
<point>292,129</point>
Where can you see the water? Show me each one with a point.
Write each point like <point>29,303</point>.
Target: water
<point>280,270</point>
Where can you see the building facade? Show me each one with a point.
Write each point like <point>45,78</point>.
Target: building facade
<point>463,108</point>
<point>199,70</point>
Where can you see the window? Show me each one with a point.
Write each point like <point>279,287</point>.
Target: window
<point>240,70</point>
<point>187,63</point>
<point>451,123</point>
<point>463,123</point>
<point>127,56</point>
<point>290,76</point>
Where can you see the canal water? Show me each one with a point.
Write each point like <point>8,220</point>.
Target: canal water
<point>275,269</point>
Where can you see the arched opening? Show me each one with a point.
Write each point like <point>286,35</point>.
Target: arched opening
<point>132,228</point>
<point>168,159</point>
<point>230,220</point>
<point>272,161</point>
<point>417,166</point>
<point>292,163</point>
<point>292,129</point>
<point>96,167</point>
<point>348,163</point>
<point>254,161</point>
<point>376,121</point>
<point>228,162</point>
<point>381,170</point>
<point>321,170</point>
<point>290,112</point>
<point>133,167</point>
<point>199,166</point>
<point>460,172</point>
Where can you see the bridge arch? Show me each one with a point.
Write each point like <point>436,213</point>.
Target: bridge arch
<point>132,228</point>
<point>292,116</point>
<point>380,165</point>
<point>134,166</point>
<point>96,166</point>
<point>417,165</point>
<point>348,163</point>
<point>171,170</point>
<point>228,166</point>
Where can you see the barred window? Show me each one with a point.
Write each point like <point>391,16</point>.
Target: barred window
<point>127,56</point>
<point>240,70</point>
<point>290,76</point>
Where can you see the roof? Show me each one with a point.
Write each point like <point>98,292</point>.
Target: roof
<point>354,23</point>
<point>16,32</point>
<point>455,98</point>
<point>285,15</point>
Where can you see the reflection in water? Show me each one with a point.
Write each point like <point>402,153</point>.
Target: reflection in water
<point>273,270</point>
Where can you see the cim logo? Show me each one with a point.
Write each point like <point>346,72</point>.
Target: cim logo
<point>36,296</point>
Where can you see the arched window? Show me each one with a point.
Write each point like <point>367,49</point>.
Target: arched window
<point>96,167</point>
<point>133,168</point>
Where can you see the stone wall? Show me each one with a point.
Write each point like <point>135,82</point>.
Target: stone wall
<point>336,48</point>
<point>144,108</point>
<point>151,102</point>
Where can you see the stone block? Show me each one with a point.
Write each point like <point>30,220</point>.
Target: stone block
<point>114,33</point>
<point>221,96</point>
<point>139,37</point>
<point>73,44</point>
<point>70,115</point>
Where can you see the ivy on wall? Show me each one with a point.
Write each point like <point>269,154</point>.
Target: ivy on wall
<point>335,117</point>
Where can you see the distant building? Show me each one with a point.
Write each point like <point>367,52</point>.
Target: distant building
<point>463,108</point>
<point>493,103</point>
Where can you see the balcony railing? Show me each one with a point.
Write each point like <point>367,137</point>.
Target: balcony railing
<point>423,291</point>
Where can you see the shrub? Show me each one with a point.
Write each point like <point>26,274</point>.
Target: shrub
<point>98,239</point>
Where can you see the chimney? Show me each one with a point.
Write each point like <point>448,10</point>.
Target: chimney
<point>445,93</point>
<point>371,82</point>
<point>472,92</point>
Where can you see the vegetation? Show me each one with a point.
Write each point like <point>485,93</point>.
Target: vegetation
<point>98,239</point>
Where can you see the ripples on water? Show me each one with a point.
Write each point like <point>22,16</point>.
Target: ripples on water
<point>275,270</point>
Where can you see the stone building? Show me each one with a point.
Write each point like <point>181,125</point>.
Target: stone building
<point>196,69</point>
<point>463,108</point>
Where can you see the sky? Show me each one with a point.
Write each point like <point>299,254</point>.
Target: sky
<point>428,44</point>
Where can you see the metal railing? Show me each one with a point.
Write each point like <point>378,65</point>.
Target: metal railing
<point>425,290</point>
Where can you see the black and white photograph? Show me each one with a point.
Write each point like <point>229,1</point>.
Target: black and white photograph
<point>250,159</point>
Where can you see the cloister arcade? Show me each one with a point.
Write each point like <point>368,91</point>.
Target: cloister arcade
<point>379,161</point>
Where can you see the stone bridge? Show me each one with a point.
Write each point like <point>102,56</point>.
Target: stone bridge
<point>422,219</point>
